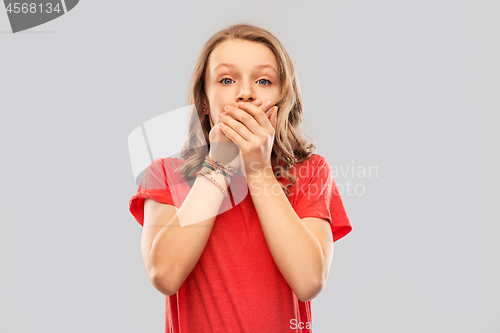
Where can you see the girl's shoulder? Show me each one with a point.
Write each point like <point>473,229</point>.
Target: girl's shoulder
<point>163,168</point>
<point>307,169</point>
<point>314,161</point>
<point>167,162</point>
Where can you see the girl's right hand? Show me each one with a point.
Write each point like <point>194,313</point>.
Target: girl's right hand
<point>216,134</point>
<point>222,148</point>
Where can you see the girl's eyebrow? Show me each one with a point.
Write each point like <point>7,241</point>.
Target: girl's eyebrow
<point>223,64</point>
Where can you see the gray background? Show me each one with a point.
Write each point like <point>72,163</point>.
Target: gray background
<point>410,87</point>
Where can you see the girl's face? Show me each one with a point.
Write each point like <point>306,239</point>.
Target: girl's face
<point>240,71</point>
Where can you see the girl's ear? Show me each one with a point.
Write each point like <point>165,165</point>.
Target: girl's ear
<point>205,107</point>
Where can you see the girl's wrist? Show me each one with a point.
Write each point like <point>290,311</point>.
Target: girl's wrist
<point>221,178</point>
<point>261,172</point>
<point>220,166</point>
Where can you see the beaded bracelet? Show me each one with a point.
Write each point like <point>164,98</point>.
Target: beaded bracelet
<point>207,175</point>
<point>228,169</point>
<point>228,176</point>
<point>218,168</point>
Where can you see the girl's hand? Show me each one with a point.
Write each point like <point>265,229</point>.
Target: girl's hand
<point>216,135</point>
<point>252,129</point>
<point>222,149</point>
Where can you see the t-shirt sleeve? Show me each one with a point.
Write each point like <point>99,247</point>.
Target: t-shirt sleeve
<point>153,186</point>
<point>319,197</point>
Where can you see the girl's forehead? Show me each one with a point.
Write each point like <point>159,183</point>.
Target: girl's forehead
<point>241,53</point>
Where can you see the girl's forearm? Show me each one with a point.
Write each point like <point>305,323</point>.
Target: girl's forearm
<point>295,249</point>
<point>175,249</point>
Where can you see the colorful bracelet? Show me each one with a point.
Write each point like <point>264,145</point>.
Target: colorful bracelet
<point>218,168</point>
<point>224,173</point>
<point>216,164</point>
<point>207,175</point>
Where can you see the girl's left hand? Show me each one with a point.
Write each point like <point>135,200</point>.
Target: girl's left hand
<point>252,129</point>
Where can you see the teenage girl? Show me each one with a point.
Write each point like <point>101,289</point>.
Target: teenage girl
<point>239,234</point>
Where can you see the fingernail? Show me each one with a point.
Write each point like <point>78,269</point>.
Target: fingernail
<point>258,102</point>
<point>240,103</point>
<point>227,108</point>
<point>268,103</point>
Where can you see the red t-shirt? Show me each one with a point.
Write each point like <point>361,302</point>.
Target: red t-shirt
<point>236,285</point>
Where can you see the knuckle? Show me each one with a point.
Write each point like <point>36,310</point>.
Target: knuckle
<point>245,117</point>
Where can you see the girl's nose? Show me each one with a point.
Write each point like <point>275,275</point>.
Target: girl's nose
<point>246,94</point>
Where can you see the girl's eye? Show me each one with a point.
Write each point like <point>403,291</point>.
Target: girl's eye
<point>264,82</point>
<point>226,81</point>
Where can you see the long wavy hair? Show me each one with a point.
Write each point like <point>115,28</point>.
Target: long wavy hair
<point>289,147</point>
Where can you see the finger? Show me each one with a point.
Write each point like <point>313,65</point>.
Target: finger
<point>232,135</point>
<point>263,107</point>
<point>237,126</point>
<point>274,116</point>
<point>269,112</point>
<point>245,125</point>
<point>270,107</point>
<point>259,104</point>
<point>257,113</point>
